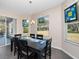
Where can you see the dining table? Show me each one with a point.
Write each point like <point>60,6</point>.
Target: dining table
<point>35,44</point>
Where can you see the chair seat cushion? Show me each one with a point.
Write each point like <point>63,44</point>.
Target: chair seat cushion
<point>25,53</point>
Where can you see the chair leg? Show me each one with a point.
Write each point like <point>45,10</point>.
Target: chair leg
<point>18,57</point>
<point>50,51</point>
<point>45,53</point>
<point>39,56</point>
<point>26,57</point>
<point>11,46</point>
<point>14,51</point>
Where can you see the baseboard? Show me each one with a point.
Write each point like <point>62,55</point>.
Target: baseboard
<point>4,45</point>
<point>69,54</point>
<point>65,52</point>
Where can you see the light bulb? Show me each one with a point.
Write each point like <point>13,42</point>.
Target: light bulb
<point>30,1</point>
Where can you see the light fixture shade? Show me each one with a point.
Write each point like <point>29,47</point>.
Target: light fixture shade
<point>30,1</point>
<point>32,22</point>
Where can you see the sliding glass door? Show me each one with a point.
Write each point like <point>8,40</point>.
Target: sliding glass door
<point>10,28</point>
<point>7,29</point>
<point>2,30</point>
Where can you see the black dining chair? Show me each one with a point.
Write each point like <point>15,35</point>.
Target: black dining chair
<point>48,47</point>
<point>32,35</point>
<point>39,36</point>
<point>47,50</point>
<point>15,43</point>
<point>18,35</point>
<point>23,50</point>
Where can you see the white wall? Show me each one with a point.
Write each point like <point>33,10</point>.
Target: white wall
<point>19,26</point>
<point>67,46</point>
<point>33,26</point>
<point>55,24</point>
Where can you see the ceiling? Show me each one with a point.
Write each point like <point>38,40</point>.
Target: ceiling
<point>23,7</point>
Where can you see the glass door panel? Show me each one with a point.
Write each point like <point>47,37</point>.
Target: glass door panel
<point>2,31</point>
<point>7,29</point>
<point>10,28</point>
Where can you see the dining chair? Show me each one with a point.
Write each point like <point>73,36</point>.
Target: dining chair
<point>48,47</point>
<point>15,43</point>
<point>18,35</point>
<point>32,35</point>
<point>47,50</point>
<point>23,50</point>
<point>39,36</point>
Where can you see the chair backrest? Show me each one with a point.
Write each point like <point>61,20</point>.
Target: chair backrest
<point>18,35</point>
<point>32,35</point>
<point>22,45</point>
<point>16,41</point>
<point>39,36</point>
<point>48,43</point>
